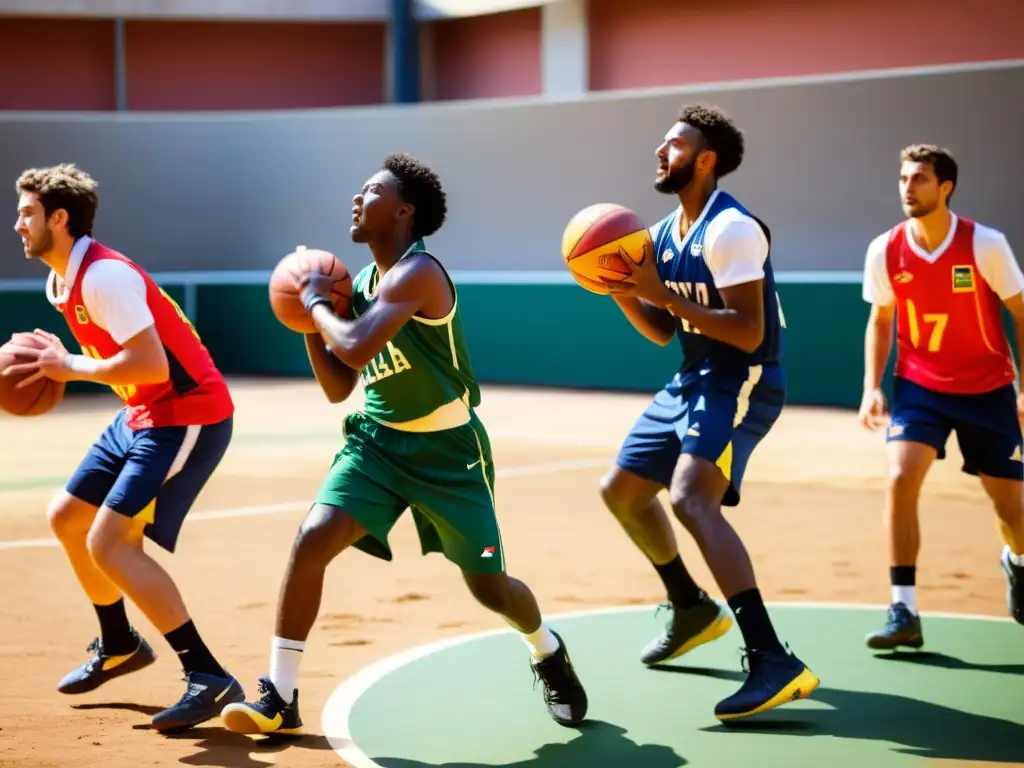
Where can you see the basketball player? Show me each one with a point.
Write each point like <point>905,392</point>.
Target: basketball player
<point>946,279</point>
<point>417,443</point>
<point>709,282</point>
<point>142,475</point>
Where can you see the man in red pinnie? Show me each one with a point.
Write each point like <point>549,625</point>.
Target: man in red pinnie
<point>142,475</point>
<point>945,280</point>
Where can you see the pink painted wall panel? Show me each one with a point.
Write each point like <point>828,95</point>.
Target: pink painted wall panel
<point>668,42</point>
<point>57,64</point>
<point>238,66</point>
<point>486,56</point>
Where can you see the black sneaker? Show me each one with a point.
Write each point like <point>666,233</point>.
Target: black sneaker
<point>1014,586</point>
<point>775,678</point>
<point>902,628</point>
<point>688,628</point>
<point>268,714</point>
<point>563,693</point>
<point>204,698</point>
<point>102,667</point>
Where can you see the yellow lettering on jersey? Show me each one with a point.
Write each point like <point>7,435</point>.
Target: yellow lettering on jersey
<point>125,392</point>
<point>697,292</point>
<point>400,361</point>
<point>937,321</point>
<point>390,361</point>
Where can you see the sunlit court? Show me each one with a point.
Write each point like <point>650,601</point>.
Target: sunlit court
<point>505,271</point>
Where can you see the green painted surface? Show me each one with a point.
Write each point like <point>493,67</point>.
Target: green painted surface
<point>475,705</point>
<point>545,335</point>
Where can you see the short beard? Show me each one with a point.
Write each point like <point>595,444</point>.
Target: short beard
<point>921,211</point>
<point>676,181</point>
<point>45,247</point>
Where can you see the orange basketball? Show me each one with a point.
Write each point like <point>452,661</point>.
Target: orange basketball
<point>284,299</point>
<point>37,398</point>
<point>595,240</point>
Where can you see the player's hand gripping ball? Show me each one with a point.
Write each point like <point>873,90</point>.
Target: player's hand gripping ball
<point>602,243</point>
<point>328,274</point>
<point>19,362</point>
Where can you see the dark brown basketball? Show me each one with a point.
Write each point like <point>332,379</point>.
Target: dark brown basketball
<point>37,398</point>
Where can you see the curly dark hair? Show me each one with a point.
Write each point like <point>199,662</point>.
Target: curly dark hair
<point>720,133</point>
<point>421,188</point>
<point>64,187</point>
<point>940,159</point>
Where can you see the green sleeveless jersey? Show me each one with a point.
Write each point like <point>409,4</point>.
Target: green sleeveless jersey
<point>424,367</point>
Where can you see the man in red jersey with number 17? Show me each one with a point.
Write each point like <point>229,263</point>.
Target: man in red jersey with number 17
<point>944,279</point>
<point>143,473</point>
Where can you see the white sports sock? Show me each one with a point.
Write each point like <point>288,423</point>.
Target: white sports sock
<point>905,595</point>
<point>285,657</point>
<point>1016,559</point>
<point>542,643</point>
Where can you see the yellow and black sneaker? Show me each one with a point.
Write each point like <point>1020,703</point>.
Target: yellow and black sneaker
<point>774,678</point>
<point>688,628</point>
<point>270,714</point>
<point>102,667</point>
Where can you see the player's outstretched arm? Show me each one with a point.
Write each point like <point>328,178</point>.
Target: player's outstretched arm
<point>335,378</point>
<point>653,323</point>
<point>415,284</point>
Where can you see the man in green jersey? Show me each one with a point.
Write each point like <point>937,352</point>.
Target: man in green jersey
<point>417,443</point>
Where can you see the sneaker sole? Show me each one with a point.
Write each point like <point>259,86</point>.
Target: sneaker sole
<point>800,687</point>
<point>887,644</point>
<point>241,719</point>
<point>720,626</point>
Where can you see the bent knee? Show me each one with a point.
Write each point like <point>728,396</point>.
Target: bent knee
<point>106,542</point>
<point>70,517</point>
<point>624,493</point>
<point>326,531</point>
<point>698,488</point>
<point>695,507</point>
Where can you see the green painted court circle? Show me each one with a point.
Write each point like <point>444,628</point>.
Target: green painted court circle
<point>471,703</point>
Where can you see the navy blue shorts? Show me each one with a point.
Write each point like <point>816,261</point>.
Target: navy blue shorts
<point>156,473</point>
<point>719,418</point>
<point>986,426</point>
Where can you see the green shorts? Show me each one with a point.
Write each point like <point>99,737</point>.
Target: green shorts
<point>446,478</point>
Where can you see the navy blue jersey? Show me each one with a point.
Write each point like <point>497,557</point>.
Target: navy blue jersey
<point>703,263</point>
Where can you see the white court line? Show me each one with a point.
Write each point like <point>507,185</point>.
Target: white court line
<point>334,721</point>
<point>547,468</point>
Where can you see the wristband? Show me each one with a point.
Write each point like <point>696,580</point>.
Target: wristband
<point>310,298</point>
<point>82,364</point>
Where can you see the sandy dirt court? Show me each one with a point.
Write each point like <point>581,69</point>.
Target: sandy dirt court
<point>811,516</point>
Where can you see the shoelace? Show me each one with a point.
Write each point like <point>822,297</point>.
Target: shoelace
<point>897,616</point>
<point>266,693</point>
<point>666,606</point>
<point>554,678</point>
<point>748,653</point>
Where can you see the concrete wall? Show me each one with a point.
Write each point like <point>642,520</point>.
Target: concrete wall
<point>237,191</point>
